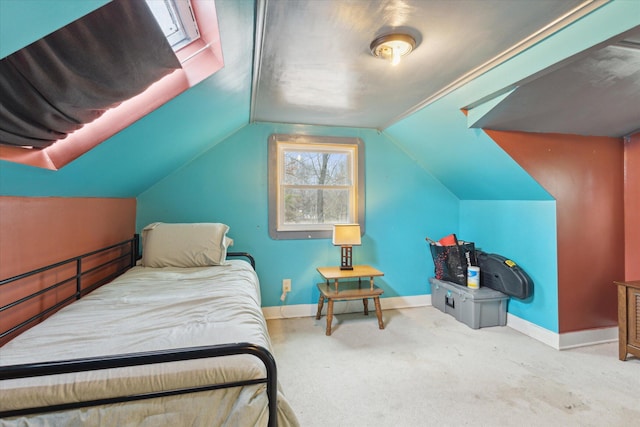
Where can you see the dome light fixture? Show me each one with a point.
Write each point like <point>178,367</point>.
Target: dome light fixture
<point>392,47</point>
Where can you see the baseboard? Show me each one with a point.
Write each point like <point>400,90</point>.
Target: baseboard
<point>588,337</point>
<point>306,310</point>
<point>534,331</point>
<point>552,339</point>
<point>392,303</point>
<point>285,311</point>
<point>566,340</point>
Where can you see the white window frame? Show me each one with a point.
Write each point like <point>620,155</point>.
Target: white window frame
<point>279,144</point>
<point>177,20</point>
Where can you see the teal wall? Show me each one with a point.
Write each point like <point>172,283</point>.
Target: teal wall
<point>228,183</point>
<point>523,231</point>
<point>466,160</point>
<point>502,208</point>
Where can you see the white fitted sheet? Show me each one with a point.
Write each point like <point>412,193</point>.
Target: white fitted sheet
<point>149,309</point>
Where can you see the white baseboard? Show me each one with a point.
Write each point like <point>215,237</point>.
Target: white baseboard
<point>534,331</point>
<point>392,303</point>
<point>588,337</point>
<point>289,311</point>
<point>306,310</point>
<point>566,340</point>
<point>558,341</point>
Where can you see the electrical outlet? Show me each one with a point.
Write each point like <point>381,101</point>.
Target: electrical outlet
<point>286,285</point>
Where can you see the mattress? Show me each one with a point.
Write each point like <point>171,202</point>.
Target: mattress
<point>149,309</point>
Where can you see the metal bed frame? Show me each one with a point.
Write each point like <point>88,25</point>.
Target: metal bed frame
<point>130,255</point>
<point>131,248</point>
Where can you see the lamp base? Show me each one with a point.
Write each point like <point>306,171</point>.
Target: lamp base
<point>345,258</point>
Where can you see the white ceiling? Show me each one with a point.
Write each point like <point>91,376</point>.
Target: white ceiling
<point>313,64</point>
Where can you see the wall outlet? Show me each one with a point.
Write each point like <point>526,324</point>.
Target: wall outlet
<point>286,285</point>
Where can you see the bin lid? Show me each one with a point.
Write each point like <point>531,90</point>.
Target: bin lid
<point>481,293</point>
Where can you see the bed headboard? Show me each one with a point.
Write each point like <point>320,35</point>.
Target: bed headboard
<point>246,255</point>
<point>29,298</point>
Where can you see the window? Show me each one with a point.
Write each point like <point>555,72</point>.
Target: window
<point>314,182</point>
<point>177,21</point>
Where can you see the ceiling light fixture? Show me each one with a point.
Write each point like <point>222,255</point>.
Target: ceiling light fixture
<point>392,47</point>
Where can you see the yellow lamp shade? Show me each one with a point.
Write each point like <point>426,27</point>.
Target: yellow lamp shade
<point>346,234</point>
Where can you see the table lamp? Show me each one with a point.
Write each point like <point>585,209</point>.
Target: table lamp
<point>345,236</point>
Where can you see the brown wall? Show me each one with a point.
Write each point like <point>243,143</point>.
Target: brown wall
<point>585,176</point>
<point>38,231</point>
<point>632,207</point>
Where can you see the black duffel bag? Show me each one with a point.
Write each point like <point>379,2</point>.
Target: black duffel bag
<point>451,262</point>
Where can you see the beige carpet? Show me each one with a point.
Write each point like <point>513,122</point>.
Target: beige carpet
<point>425,368</point>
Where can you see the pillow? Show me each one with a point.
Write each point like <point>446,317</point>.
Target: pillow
<point>185,245</point>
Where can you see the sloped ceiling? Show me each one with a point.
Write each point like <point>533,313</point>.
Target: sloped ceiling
<point>594,93</point>
<point>144,153</point>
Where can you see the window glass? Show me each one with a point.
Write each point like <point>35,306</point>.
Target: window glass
<point>314,182</point>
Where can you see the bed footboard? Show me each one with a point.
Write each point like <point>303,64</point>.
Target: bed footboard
<point>135,359</point>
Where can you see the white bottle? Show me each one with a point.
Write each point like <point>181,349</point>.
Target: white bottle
<point>473,277</point>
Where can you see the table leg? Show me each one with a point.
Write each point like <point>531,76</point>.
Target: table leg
<point>320,305</point>
<point>376,301</point>
<point>329,316</point>
<point>365,302</point>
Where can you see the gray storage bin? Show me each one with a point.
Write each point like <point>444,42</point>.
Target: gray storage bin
<point>476,308</point>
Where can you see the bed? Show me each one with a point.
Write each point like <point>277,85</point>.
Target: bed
<point>178,339</point>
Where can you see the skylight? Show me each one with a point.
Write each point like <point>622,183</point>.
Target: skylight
<point>177,20</point>
<point>199,51</point>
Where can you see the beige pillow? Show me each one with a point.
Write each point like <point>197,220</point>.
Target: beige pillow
<point>185,245</point>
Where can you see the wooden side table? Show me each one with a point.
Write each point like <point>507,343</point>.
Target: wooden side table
<point>349,290</point>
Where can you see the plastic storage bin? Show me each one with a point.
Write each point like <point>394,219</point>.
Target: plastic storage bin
<point>476,308</point>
